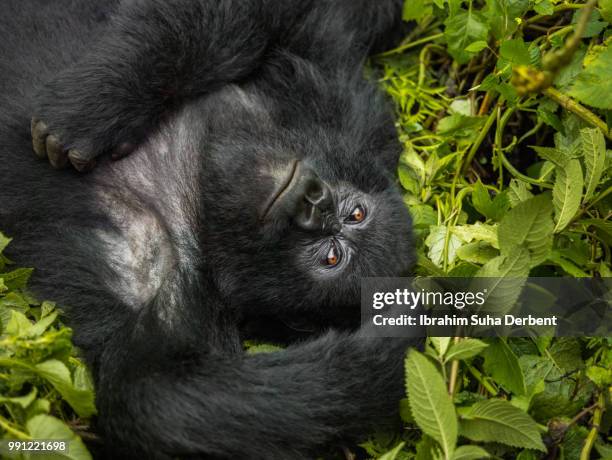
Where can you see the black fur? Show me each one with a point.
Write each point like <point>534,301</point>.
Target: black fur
<point>163,259</point>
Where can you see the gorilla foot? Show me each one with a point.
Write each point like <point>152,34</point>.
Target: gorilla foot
<point>48,146</point>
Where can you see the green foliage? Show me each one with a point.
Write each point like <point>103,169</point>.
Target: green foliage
<point>501,184</point>
<point>44,388</point>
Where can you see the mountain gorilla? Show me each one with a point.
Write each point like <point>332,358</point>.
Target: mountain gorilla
<point>258,190</point>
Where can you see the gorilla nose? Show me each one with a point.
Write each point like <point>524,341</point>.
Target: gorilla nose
<point>304,198</point>
<point>313,202</point>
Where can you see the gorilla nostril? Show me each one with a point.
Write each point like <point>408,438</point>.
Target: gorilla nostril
<point>314,192</point>
<point>308,217</point>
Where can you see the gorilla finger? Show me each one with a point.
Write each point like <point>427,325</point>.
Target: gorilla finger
<point>55,152</point>
<point>39,131</point>
<point>79,163</point>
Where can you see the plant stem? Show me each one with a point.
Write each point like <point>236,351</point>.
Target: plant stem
<point>4,424</point>
<point>477,143</point>
<point>409,45</point>
<point>585,454</point>
<point>556,9</point>
<point>569,104</point>
<point>478,376</point>
<point>452,383</point>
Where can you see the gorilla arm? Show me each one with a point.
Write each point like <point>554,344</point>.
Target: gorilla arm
<point>273,405</point>
<point>158,53</point>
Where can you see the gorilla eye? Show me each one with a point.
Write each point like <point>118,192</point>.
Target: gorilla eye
<point>357,215</point>
<point>333,255</point>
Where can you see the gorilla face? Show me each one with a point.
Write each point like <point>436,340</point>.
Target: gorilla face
<point>310,224</point>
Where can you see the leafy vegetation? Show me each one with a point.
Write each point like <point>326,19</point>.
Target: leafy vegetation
<point>503,110</point>
<point>45,390</point>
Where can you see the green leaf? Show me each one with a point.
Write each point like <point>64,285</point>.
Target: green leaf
<point>496,420</point>
<point>510,273</point>
<point>549,118</point>
<point>436,242</point>
<point>470,453</point>
<point>464,349</point>
<point>430,403</point>
<point>47,427</point>
<point>502,364</point>
<point>566,265</point>
<point>544,7</point>
<point>515,52</point>
<point>441,344</point>
<point>56,372</point>
<point>463,29</point>
<point>518,192</point>
<point>605,9</point>
<point>528,224</point>
<point>477,232</point>
<point>594,148</point>
<point>392,454</point>
<point>501,16</point>
<point>17,279</point>
<point>405,413</point>
<point>600,376</point>
<point>4,242</point>
<point>554,155</point>
<point>593,86</point>
<point>476,47</point>
<point>23,401</point>
<point>478,252</point>
<point>567,193</point>
<point>416,9</point>
<point>493,209</point>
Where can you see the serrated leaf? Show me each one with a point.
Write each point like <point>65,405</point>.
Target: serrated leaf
<point>56,372</point>
<point>430,403</point>
<point>567,193</point>
<point>496,420</point>
<point>478,252</point>
<point>470,453</point>
<point>477,232</point>
<point>463,29</point>
<point>554,155</point>
<point>464,349</point>
<point>593,85</point>
<point>416,9</point>
<point>17,279</point>
<point>510,273</point>
<point>441,344</point>
<point>502,364</point>
<point>393,453</point>
<point>594,154</point>
<point>436,242</point>
<point>515,52</point>
<point>518,192</point>
<point>47,427</point>
<point>528,224</point>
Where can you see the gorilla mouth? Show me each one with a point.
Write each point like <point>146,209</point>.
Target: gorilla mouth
<point>282,188</point>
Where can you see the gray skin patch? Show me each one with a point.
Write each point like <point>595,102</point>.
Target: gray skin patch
<point>149,199</point>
